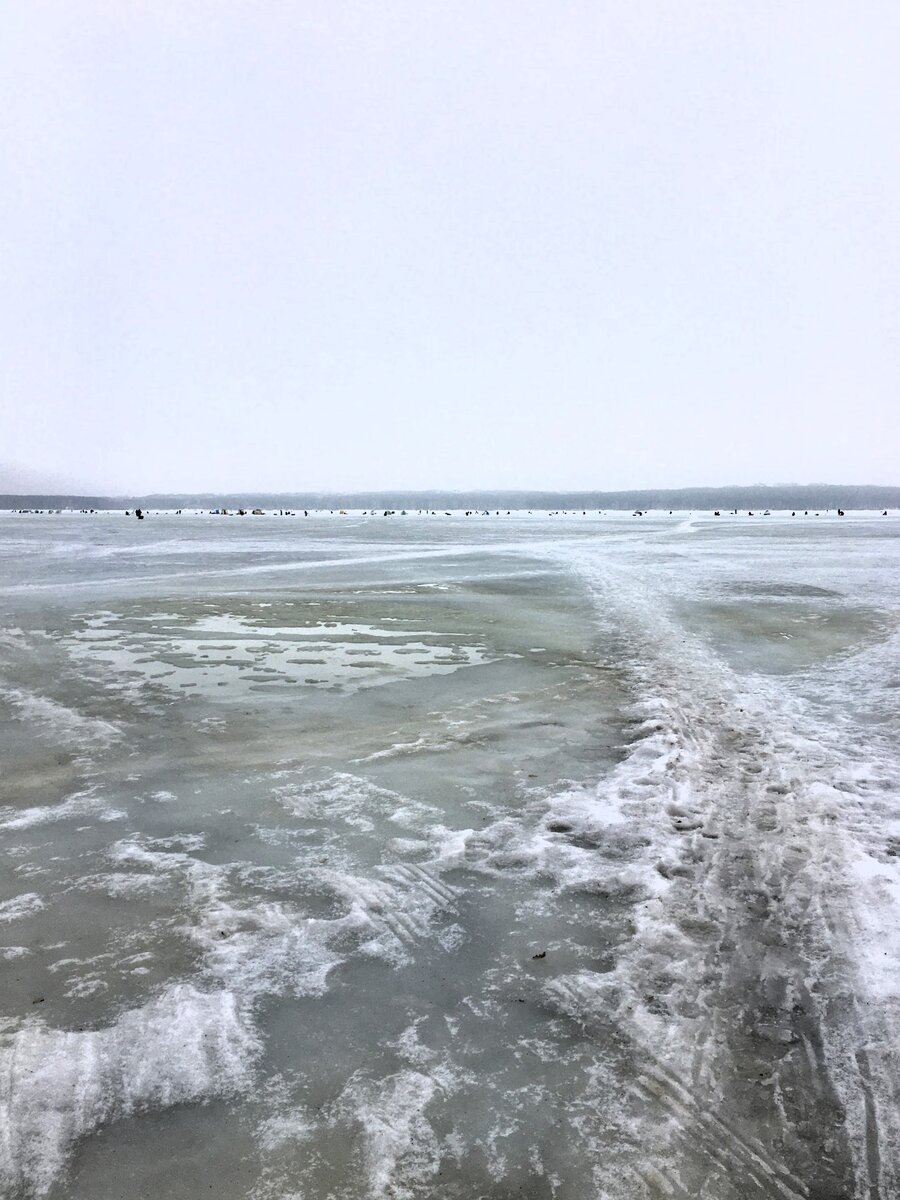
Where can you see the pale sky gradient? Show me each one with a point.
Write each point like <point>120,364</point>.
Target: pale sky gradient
<point>408,243</point>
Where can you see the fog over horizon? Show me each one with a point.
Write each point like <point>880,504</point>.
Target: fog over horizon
<point>506,246</point>
<point>29,483</point>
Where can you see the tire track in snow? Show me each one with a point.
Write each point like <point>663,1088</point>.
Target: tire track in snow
<point>762,1028</point>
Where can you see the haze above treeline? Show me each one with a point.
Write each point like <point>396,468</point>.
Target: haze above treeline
<point>786,496</point>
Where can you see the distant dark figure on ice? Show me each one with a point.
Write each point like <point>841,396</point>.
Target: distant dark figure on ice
<point>139,514</point>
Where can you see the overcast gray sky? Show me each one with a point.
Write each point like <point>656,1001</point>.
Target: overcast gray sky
<point>500,243</point>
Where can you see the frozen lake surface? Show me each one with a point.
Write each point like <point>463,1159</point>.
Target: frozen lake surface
<point>363,857</point>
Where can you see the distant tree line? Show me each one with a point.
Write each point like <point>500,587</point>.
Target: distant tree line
<point>787,496</point>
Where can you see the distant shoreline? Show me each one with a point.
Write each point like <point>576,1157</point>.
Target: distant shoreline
<point>853,497</point>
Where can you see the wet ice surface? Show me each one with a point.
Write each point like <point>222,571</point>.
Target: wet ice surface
<point>433,856</point>
<point>207,653</point>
